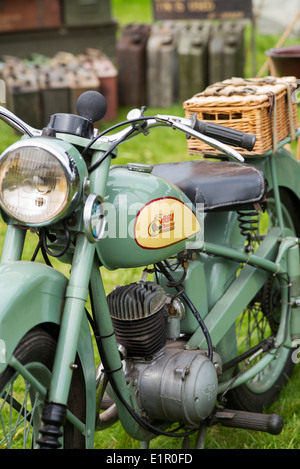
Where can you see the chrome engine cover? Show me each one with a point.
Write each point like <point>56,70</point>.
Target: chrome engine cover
<point>178,386</point>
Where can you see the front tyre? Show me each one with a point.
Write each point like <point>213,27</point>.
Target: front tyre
<point>21,405</point>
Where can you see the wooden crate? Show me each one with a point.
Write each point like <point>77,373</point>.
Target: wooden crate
<point>17,15</point>
<point>263,107</point>
<point>86,12</point>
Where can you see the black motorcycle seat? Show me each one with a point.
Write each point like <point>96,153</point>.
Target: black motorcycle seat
<point>217,185</point>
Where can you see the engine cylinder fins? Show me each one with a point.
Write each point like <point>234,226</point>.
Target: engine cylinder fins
<point>136,301</point>
<point>143,338</point>
<point>137,312</point>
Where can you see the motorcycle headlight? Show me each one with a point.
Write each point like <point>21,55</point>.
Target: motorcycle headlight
<point>39,180</point>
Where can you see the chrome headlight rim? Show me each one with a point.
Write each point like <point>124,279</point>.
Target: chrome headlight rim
<point>58,150</point>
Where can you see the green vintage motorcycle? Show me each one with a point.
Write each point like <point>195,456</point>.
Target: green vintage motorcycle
<point>205,336</point>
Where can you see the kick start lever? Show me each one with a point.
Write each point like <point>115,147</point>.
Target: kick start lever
<point>269,423</point>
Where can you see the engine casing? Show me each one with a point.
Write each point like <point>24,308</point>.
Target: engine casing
<point>178,386</point>
<point>171,383</point>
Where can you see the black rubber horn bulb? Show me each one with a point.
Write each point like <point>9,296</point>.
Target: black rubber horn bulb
<point>91,105</point>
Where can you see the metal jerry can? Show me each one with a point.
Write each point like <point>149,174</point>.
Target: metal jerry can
<point>226,51</point>
<point>107,75</point>
<point>22,95</point>
<point>79,81</point>
<point>162,66</point>
<point>234,57</point>
<point>193,58</point>
<point>131,59</point>
<point>54,91</point>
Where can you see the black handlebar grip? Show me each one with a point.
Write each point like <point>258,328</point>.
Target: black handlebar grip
<point>233,137</point>
<point>91,105</point>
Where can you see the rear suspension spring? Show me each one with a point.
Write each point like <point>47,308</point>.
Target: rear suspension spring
<point>248,224</point>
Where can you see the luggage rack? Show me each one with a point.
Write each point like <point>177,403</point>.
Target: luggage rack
<point>281,144</point>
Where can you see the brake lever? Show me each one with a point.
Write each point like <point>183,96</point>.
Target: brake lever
<point>140,125</point>
<point>183,124</point>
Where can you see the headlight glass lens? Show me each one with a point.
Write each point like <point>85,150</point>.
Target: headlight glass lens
<point>34,187</point>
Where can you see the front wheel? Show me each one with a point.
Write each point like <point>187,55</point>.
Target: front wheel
<point>21,404</point>
<point>258,324</point>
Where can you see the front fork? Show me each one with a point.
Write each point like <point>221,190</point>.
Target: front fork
<point>76,295</point>
<point>54,412</point>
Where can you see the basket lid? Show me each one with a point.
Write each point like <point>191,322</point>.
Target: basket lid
<point>240,91</point>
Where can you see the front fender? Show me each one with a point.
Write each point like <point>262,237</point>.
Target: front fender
<point>32,294</point>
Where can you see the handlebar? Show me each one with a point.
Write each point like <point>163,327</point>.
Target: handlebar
<point>17,123</point>
<point>214,135</point>
<point>187,126</point>
<point>223,134</point>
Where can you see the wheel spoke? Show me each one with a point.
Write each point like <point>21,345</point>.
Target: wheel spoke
<point>18,420</point>
<point>22,394</point>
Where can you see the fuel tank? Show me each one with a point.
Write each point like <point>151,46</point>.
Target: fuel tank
<point>148,219</point>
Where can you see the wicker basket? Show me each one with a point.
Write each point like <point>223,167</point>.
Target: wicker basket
<point>263,107</point>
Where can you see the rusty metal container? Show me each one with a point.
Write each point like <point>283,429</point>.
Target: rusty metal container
<point>192,50</point>
<point>131,61</point>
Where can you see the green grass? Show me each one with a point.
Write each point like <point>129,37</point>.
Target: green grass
<point>161,146</point>
<point>132,11</point>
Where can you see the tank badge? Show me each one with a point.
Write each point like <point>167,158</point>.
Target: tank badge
<point>164,222</point>
<point>161,224</point>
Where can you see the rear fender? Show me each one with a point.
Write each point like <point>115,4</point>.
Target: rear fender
<point>286,168</point>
